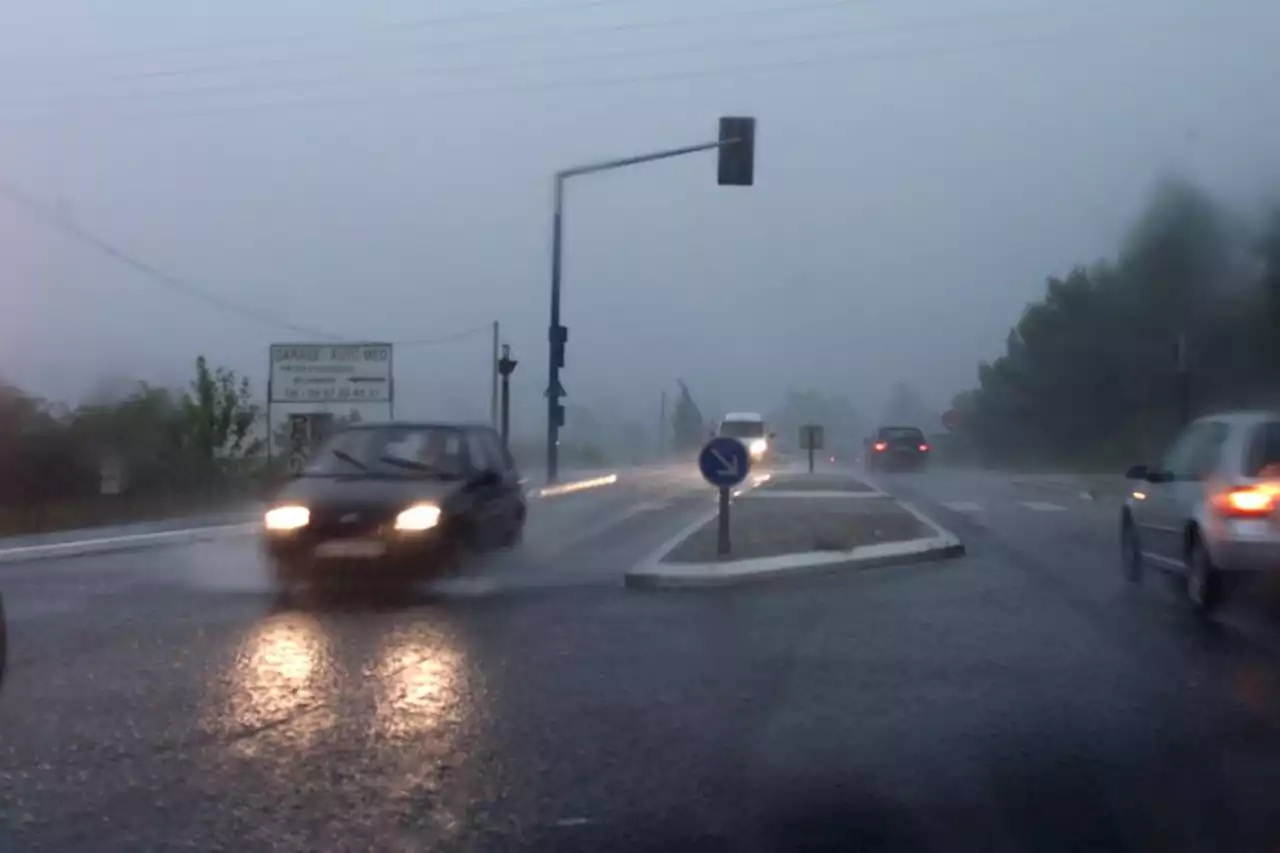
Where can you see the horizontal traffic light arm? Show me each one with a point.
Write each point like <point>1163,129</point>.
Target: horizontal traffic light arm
<point>606,165</point>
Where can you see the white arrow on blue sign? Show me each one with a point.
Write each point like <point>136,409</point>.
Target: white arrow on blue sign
<point>724,462</point>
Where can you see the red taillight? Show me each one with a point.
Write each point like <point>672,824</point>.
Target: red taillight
<point>881,446</point>
<point>924,448</point>
<point>1248,500</point>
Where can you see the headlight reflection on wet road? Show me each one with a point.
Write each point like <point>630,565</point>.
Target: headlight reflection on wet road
<point>282,668</point>
<point>418,685</point>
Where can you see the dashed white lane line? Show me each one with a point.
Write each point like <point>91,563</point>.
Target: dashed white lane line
<point>963,506</point>
<point>1041,506</point>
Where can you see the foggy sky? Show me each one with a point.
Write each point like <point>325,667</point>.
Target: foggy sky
<point>922,166</point>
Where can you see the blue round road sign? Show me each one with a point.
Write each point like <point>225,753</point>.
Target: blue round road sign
<point>724,462</point>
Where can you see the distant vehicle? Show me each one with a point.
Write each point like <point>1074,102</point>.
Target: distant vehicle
<point>1208,511</point>
<point>897,447</point>
<point>750,429</point>
<point>394,502</point>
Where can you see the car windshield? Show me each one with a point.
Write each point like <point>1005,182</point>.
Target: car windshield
<point>390,451</point>
<point>742,429</point>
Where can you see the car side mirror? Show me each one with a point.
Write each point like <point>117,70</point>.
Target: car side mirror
<point>1137,472</point>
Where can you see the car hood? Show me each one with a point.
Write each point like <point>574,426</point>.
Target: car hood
<point>365,491</point>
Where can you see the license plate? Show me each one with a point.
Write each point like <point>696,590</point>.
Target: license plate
<point>360,548</point>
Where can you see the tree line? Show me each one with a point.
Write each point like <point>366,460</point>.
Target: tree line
<point>149,445</point>
<point>1106,367</point>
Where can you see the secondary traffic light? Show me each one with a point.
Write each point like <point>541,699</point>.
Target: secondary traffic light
<point>737,152</point>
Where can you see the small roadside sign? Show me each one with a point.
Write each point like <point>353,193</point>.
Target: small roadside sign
<point>724,462</point>
<point>811,439</point>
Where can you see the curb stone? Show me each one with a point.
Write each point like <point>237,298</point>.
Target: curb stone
<point>653,573</point>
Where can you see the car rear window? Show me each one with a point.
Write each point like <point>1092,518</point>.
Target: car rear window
<point>910,433</point>
<point>1263,459</point>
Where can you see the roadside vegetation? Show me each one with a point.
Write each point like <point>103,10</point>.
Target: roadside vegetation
<point>1104,368</point>
<point>143,453</point>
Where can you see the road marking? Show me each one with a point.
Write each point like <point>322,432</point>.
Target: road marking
<point>759,494</point>
<point>577,486</point>
<point>962,506</point>
<point>125,542</point>
<point>1041,506</point>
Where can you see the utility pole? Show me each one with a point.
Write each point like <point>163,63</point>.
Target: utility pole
<point>662,426</point>
<point>1183,391</point>
<point>736,144</point>
<point>506,365</point>
<point>493,387</point>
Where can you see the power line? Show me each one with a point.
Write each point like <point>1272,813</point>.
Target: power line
<point>52,219</point>
<point>694,48</point>
<point>49,218</point>
<point>428,23</point>
<point>1143,30</point>
<point>445,339</point>
<point>391,27</point>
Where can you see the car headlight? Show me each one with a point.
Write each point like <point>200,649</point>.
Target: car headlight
<point>287,518</point>
<point>418,517</point>
<point>758,447</point>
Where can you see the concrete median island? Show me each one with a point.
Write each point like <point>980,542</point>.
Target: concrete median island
<point>793,524</point>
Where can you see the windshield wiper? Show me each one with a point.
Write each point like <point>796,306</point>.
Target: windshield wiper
<point>347,457</point>
<point>415,465</point>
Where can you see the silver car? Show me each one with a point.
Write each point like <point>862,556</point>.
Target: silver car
<point>1210,507</point>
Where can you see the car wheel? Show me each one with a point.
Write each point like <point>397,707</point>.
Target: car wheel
<point>1130,550</point>
<point>1204,581</point>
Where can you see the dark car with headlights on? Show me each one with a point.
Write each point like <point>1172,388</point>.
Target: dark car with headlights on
<point>394,502</point>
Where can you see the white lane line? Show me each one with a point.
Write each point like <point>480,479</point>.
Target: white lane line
<point>962,506</point>
<point>575,486</point>
<point>759,494</point>
<point>80,547</point>
<point>1041,506</point>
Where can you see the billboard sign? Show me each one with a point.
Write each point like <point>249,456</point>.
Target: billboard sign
<point>331,373</point>
<point>315,389</point>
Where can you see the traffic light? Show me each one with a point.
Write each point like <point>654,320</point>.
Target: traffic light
<point>737,158</point>
<point>559,337</point>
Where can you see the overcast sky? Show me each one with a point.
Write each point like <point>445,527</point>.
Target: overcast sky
<point>382,170</point>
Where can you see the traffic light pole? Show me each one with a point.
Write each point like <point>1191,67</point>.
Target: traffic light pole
<point>506,365</point>
<point>557,334</point>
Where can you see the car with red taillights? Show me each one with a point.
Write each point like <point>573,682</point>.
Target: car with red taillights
<point>1210,510</point>
<point>897,447</point>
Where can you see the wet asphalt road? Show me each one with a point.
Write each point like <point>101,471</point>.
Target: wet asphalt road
<point>1019,698</point>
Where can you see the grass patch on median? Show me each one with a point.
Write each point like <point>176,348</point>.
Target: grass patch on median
<point>772,528</point>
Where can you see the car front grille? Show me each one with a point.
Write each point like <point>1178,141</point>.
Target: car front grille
<point>340,522</point>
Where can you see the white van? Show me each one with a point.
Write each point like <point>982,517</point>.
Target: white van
<point>750,429</point>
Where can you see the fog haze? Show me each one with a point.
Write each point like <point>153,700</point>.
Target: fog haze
<point>382,171</point>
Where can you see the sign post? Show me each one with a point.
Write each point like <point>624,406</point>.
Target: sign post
<point>811,439</point>
<point>724,463</point>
